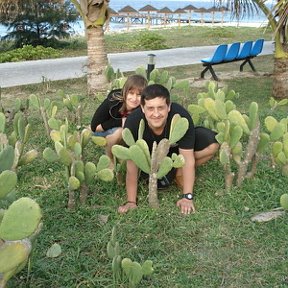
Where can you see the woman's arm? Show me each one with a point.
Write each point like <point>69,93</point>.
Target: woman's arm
<point>100,115</point>
<point>103,120</point>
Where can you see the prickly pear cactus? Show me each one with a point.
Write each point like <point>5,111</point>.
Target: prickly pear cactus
<point>155,163</point>
<point>278,133</point>
<point>47,110</point>
<point>12,147</point>
<point>69,150</point>
<point>239,134</point>
<point>75,106</point>
<point>132,270</point>
<point>19,224</point>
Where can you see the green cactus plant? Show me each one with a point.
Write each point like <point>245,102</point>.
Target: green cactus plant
<point>131,269</point>
<point>75,106</point>
<point>238,134</point>
<point>69,150</point>
<point>156,164</point>
<point>47,110</point>
<point>278,135</point>
<point>19,223</point>
<point>12,147</point>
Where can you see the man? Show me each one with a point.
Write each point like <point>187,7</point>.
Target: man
<point>197,146</point>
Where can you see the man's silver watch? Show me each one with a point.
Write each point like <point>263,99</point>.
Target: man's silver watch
<point>188,196</point>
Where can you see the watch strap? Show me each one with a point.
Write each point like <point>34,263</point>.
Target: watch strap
<point>188,196</point>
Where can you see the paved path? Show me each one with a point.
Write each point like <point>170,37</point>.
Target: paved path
<point>30,72</point>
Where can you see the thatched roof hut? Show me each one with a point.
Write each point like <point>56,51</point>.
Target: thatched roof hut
<point>128,10</point>
<point>166,11</point>
<point>190,8</point>
<point>148,9</point>
<point>201,10</point>
<point>179,11</point>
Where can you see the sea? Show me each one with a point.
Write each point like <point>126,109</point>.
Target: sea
<point>117,5</point>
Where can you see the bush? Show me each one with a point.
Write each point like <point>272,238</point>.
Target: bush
<point>28,52</point>
<point>150,40</point>
<point>220,33</point>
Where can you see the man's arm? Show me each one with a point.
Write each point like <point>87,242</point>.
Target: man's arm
<point>131,187</point>
<point>188,174</point>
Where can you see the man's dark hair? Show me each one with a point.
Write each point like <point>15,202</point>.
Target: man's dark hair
<point>154,91</point>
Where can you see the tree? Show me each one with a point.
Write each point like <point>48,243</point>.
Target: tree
<point>95,15</point>
<point>37,22</point>
<point>276,14</point>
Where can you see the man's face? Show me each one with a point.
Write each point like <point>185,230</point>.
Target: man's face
<point>156,113</point>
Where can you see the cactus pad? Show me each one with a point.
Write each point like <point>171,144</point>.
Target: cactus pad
<point>284,201</point>
<point>100,141</point>
<point>28,157</point>
<point>12,255</point>
<point>6,158</point>
<point>50,155</point>
<point>121,152</point>
<point>147,268</point>
<point>106,175</point>
<point>73,183</point>
<point>20,220</point>
<point>104,162</point>
<point>8,181</point>
<point>128,137</point>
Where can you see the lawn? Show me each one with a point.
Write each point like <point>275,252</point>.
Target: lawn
<point>218,246</point>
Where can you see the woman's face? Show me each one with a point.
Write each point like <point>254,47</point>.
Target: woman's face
<point>133,99</point>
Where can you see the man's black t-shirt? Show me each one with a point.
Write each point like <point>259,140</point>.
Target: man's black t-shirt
<point>187,141</point>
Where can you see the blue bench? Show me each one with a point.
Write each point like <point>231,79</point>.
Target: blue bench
<point>235,52</point>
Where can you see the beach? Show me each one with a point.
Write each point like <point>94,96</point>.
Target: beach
<point>173,25</point>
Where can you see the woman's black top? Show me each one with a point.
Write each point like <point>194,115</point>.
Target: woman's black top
<point>107,114</point>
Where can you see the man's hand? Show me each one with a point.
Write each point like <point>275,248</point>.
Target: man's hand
<point>186,206</point>
<point>126,207</point>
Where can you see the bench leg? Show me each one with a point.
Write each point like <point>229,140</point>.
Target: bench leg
<point>209,67</point>
<point>204,71</point>
<point>250,63</point>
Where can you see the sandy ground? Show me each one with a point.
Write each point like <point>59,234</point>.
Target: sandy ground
<point>212,25</point>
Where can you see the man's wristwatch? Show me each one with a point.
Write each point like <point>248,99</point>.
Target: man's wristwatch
<point>188,196</point>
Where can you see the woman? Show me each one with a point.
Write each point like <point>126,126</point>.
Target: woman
<point>110,116</point>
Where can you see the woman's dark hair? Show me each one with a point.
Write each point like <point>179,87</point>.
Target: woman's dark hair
<point>154,91</point>
<point>137,82</point>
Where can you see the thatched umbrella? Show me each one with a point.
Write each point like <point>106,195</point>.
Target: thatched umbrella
<point>201,10</point>
<point>148,9</point>
<point>129,11</point>
<point>190,8</point>
<point>179,11</point>
<point>223,9</point>
<point>166,11</point>
<point>213,10</point>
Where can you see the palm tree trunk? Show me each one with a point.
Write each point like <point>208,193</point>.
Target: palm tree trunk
<point>97,60</point>
<point>280,76</point>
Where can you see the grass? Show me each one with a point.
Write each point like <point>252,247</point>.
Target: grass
<point>172,38</point>
<point>218,246</point>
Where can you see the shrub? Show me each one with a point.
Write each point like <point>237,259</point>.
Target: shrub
<point>28,52</point>
<point>150,40</point>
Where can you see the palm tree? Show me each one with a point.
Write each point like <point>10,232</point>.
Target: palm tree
<point>95,15</point>
<point>277,14</point>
